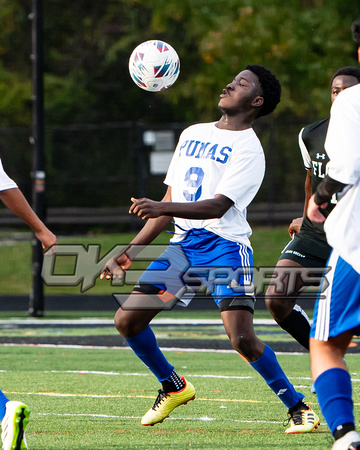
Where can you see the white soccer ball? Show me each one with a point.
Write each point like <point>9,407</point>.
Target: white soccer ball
<point>154,66</point>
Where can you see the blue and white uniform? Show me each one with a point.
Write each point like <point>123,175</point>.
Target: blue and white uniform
<point>209,161</point>
<point>338,309</point>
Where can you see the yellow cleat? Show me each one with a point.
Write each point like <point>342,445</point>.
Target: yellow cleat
<point>302,420</point>
<point>166,402</point>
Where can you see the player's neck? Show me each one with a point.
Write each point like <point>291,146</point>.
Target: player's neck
<point>234,123</point>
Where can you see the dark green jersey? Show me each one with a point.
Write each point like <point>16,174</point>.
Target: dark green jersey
<point>312,145</point>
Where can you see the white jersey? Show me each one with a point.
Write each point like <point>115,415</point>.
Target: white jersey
<point>209,161</point>
<point>343,146</point>
<point>5,181</point>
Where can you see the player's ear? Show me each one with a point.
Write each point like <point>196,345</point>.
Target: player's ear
<point>258,101</point>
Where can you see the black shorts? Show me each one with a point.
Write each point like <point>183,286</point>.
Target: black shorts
<point>307,249</point>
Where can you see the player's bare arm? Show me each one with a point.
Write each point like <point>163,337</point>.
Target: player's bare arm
<point>204,209</point>
<point>322,196</point>
<point>294,227</point>
<point>307,190</point>
<point>120,263</point>
<point>46,237</point>
<point>17,203</point>
<point>314,212</point>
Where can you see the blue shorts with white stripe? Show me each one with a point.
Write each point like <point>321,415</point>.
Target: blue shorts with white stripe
<point>202,258</point>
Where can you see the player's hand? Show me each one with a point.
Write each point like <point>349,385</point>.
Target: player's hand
<point>294,227</point>
<point>46,237</point>
<point>116,267</point>
<point>313,211</point>
<point>146,208</point>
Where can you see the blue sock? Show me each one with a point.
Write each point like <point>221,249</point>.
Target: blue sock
<point>334,393</point>
<point>3,401</point>
<point>269,368</point>
<point>146,348</point>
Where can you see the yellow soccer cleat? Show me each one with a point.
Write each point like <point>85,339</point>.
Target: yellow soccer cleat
<point>13,426</point>
<point>302,419</point>
<point>166,402</point>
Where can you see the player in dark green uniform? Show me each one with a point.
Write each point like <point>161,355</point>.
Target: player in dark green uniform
<point>308,248</point>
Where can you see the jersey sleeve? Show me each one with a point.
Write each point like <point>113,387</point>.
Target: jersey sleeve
<point>169,178</point>
<point>243,179</point>
<point>5,181</point>
<point>304,152</point>
<point>343,137</point>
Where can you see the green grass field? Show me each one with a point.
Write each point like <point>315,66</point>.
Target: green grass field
<point>94,399</point>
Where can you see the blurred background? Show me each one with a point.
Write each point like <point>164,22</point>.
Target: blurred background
<point>106,140</point>
<point>95,115</point>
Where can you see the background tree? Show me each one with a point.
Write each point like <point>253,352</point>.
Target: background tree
<point>86,49</point>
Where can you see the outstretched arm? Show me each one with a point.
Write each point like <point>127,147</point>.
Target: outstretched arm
<point>118,264</point>
<point>17,203</point>
<point>203,209</point>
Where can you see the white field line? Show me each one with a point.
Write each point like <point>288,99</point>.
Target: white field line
<point>222,377</point>
<point>126,396</point>
<point>63,394</point>
<point>110,322</point>
<point>193,419</point>
<point>94,372</point>
<point>136,374</point>
<point>164,349</point>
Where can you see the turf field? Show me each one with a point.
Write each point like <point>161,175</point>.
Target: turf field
<point>85,394</point>
<point>84,398</point>
<point>86,390</point>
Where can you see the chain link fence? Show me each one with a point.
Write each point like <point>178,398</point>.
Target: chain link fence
<point>101,166</point>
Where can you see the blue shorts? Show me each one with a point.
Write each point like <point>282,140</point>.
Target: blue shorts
<point>337,309</point>
<point>203,258</point>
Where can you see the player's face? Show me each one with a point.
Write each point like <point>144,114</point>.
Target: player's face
<point>340,83</point>
<point>239,95</point>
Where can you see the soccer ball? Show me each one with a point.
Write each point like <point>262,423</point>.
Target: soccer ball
<point>154,66</point>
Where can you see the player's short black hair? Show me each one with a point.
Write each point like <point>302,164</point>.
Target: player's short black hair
<point>352,71</point>
<point>270,86</point>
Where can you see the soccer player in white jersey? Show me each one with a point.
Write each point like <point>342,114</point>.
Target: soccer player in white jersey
<point>14,415</point>
<point>337,313</point>
<point>216,171</point>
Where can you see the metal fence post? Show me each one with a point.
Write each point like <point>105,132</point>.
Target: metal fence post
<point>36,302</point>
